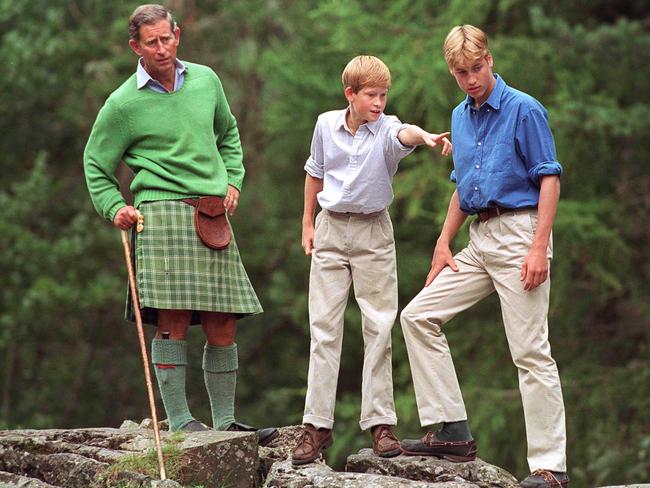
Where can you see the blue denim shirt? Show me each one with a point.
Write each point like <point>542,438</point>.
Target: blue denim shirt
<point>501,150</point>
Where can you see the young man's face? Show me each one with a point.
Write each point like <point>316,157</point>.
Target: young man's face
<point>368,103</point>
<point>157,47</point>
<point>475,78</point>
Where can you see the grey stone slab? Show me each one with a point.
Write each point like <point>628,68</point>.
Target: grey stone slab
<point>431,469</point>
<point>646,485</point>
<point>319,475</point>
<point>79,457</point>
<point>11,480</point>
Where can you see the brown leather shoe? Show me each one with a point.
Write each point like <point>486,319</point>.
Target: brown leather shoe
<point>429,445</point>
<point>543,478</point>
<point>311,443</point>
<point>384,442</point>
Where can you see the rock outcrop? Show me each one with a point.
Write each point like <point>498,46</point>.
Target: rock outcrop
<point>85,458</point>
<point>81,458</point>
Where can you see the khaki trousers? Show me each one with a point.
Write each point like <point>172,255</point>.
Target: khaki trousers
<point>358,250</point>
<point>492,261</point>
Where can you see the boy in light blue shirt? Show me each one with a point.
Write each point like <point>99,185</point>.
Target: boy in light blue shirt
<point>354,156</point>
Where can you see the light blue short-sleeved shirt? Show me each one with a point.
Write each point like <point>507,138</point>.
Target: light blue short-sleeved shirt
<point>501,150</point>
<point>357,169</point>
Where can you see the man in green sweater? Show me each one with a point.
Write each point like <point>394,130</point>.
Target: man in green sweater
<point>171,124</point>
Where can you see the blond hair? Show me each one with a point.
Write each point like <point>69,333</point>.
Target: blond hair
<point>363,71</point>
<point>465,44</point>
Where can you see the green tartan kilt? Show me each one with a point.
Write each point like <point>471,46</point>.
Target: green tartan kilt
<point>175,270</point>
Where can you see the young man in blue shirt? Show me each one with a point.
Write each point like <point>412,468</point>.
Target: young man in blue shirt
<point>507,174</point>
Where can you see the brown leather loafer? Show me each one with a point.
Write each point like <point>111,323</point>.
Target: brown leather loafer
<point>384,442</point>
<point>543,478</point>
<point>429,445</point>
<point>311,443</point>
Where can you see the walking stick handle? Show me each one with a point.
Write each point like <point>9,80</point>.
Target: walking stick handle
<point>143,350</point>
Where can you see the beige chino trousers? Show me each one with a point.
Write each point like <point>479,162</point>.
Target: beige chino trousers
<point>492,261</point>
<point>356,250</point>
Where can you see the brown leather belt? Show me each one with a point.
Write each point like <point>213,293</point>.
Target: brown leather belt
<point>488,213</point>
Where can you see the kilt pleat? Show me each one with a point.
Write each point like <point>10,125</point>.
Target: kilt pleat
<point>175,270</point>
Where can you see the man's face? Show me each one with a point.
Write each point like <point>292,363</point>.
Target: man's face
<point>157,47</point>
<point>475,78</point>
<point>368,103</point>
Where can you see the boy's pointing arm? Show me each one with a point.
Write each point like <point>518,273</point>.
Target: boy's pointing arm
<point>413,135</point>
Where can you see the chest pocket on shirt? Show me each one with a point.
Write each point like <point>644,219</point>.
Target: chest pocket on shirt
<point>500,156</point>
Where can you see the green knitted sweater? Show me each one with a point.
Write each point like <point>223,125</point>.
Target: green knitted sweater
<point>179,145</point>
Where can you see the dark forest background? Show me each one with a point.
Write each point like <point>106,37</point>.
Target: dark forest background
<point>68,359</point>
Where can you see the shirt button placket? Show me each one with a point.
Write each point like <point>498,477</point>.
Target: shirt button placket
<point>476,179</point>
<point>478,159</point>
<point>353,159</point>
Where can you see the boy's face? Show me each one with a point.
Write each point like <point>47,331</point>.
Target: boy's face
<point>475,78</point>
<point>368,103</point>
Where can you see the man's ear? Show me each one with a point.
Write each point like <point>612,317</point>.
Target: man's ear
<point>135,46</point>
<point>490,61</point>
<point>177,34</point>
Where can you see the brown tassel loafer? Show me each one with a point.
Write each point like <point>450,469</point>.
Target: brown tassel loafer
<point>429,445</point>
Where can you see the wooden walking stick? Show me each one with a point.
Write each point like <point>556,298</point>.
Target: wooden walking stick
<point>143,347</point>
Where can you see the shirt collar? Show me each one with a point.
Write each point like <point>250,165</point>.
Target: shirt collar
<point>372,126</point>
<point>142,77</point>
<point>341,122</point>
<point>494,100</point>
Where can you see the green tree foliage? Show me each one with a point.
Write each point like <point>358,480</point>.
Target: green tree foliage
<point>68,358</point>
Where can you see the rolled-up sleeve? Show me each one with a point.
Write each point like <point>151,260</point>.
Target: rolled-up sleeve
<point>315,163</point>
<point>536,147</point>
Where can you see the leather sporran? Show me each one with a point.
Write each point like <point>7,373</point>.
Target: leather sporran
<point>210,221</point>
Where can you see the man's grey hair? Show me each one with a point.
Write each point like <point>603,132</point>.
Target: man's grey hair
<point>146,15</point>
